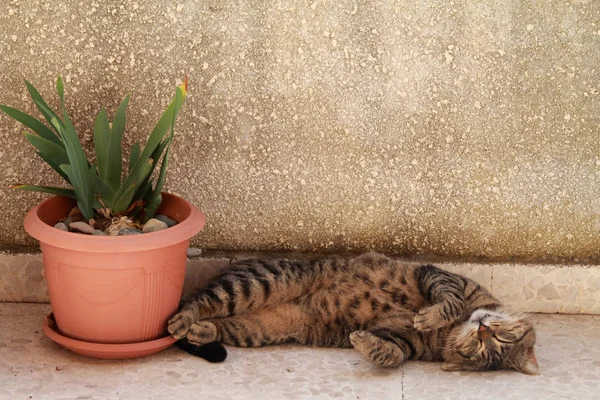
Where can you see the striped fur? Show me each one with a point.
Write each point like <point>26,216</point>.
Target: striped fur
<point>387,310</point>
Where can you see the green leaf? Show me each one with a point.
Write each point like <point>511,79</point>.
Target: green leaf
<point>151,210</point>
<point>41,104</point>
<point>109,168</point>
<point>60,88</point>
<point>114,155</point>
<point>54,166</point>
<point>106,193</point>
<point>51,153</point>
<point>33,124</point>
<point>84,205</point>
<point>155,197</point>
<point>124,196</point>
<point>122,203</point>
<point>50,149</point>
<point>46,189</point>
<point>79,172</point>
<point>142,188</point>
<point>153,202</point>
<point>179,99</point>
<point>145,172</point>
<point>59,126</point>
<point>134,155</point>
<point>162,127</point>
<point>159,151</point>
<point>154,140</point>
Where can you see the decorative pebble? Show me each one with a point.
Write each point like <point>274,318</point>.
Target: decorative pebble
<point>194,252</point>
<point>154,225</point>
<point>82,227</point>
<point>170,222</point>
<point>98,232</point>
<point>62,227</point>
<point>75,214</point>
<point>129,231</point>
<point>68,221</point>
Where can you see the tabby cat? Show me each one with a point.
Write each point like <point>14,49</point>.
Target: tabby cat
<point>386,310</point>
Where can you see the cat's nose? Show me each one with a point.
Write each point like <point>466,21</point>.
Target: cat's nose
<point>484,332</point>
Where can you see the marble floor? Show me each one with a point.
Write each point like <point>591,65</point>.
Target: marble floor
<point>33,367</point>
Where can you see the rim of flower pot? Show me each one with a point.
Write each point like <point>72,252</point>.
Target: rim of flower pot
<point>40,220</point>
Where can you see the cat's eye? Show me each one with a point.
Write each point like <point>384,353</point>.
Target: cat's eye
<point>463,355</point>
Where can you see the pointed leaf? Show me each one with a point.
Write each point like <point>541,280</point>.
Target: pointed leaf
<point>144,172</point>
<point>46,189</point>
<point>153,202</point>
<point>158,152</point>
<point>117,130</point>
<point>84,203</point>
<point>54,166</point>
<point>52,154</point>
<point>134,155</point>
<point>106,192</point>
<point>79,172</point>
<point>122,203</point>
<point>150,211</point>
<point>40,103</point>
<point>142,188</point>
<point>144,176</point>
<point>154,140</point>
<point>33,124</point>
<point>51,150</point>
<point>91,178</point>
<point>180,96</point>
<point>163,126</point>
<point>109,167</point>
<point>156,198</point>
<point>60,88</point>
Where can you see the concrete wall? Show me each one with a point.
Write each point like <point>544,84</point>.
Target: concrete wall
<point>453,128</point>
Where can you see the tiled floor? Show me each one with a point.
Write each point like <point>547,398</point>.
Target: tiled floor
<point>33,367</point>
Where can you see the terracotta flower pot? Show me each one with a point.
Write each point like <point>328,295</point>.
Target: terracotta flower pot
<point>118,289</point>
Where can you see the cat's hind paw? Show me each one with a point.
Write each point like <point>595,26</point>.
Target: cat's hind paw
<point>379,351</point>
<point>179,325</point>
<point>202,332</point>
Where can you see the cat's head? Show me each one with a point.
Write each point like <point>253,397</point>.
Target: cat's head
<point>492,340</point>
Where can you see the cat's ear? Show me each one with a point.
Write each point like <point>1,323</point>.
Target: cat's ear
<point>448,366</point>
<point>528,363</point>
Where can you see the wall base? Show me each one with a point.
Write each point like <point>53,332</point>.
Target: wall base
<point>571,289</point>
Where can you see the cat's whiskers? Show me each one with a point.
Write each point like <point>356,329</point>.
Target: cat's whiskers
<point>512,316</point>
<point>511,362</point>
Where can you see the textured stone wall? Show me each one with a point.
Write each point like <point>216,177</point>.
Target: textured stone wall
<point>453,128</point>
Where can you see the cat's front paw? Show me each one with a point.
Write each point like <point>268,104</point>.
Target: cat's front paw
<point>202,332</point>
<point>180,323</point>
<point>429,318</point>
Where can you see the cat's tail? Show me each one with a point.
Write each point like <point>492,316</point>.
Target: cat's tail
<point>213,352</point>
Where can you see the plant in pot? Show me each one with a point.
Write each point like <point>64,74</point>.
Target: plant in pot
<point>111,288</point>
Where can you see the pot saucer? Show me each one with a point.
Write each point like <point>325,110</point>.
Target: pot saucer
<point>101,350</point>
